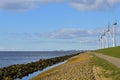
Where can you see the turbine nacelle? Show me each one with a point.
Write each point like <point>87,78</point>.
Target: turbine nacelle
<point>115,23</point>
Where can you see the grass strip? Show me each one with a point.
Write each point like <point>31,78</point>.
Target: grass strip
<point>109,69</point>
<point>113,51</point>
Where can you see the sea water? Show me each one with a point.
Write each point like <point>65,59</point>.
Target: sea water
<point>8,58</point>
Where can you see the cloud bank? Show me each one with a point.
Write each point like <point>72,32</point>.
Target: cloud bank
<point>68,35</point>
<point>18,5</point>
<point>71,33</point>
<point>23,5</point>
<point>95,4</point>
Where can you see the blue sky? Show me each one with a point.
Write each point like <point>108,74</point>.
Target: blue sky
<point>30,25</point>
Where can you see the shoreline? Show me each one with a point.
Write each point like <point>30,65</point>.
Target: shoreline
<point>40,72</point>
<point>19,71</point>
<point>51,67</point>
<point>30,76</point>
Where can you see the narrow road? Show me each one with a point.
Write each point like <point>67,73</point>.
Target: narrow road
<point>113,60</point>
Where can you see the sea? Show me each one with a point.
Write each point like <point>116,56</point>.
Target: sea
<point>8,58</point>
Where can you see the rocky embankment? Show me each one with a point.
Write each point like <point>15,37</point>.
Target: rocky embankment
<point>77,68</point>
<point>20,70</point>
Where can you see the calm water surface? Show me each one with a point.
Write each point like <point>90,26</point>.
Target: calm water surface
<point>8,58</point>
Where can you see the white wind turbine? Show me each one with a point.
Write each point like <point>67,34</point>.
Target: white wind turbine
<point>105,39</point>
<point>100,43</point>
<point>108,35</point>
<point>114,33</point>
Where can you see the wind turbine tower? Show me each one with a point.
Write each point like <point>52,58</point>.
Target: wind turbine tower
<point>108,34</point>
<point>114,33</point>
<point>101,38</point>
<point>99,43</point>
<point>103,41</point>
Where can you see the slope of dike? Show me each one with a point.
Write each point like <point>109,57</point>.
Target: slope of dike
<point>77,68</point>
<point>113,51</point>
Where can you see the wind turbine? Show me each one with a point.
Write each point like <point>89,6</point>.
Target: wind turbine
<point>108,34</point>
<point>114,33</point>
<point>99,43</point>
<point>105,39</point>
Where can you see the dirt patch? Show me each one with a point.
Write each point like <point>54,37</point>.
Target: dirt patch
<point>99,73</point>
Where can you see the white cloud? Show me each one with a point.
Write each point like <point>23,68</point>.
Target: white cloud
<point>85,4</point>
<point>88,40</point>
<point>49,1</point>
<point>68,33</point>
<point>94,4</point>
<point>112,2</point>
<point>71,33</point>
<point>23,5</point>
<point>18,5</point>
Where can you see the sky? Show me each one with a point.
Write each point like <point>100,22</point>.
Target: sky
<point>47,25</point>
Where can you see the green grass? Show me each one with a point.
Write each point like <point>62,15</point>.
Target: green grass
<point>113,51</point>
<point>114,71</point>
